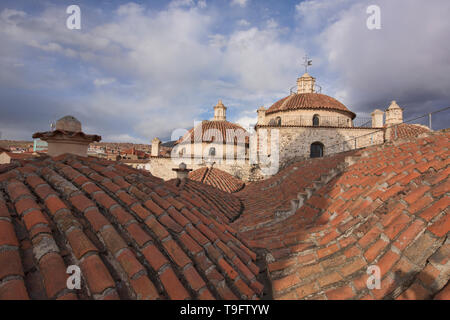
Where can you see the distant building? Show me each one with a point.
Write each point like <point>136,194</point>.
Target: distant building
<point>8,157</point>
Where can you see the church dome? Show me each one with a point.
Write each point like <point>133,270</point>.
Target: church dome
<point>311,101</point>
<point>209,129</point>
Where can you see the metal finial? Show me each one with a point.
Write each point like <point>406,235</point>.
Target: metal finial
<point>306,63</point>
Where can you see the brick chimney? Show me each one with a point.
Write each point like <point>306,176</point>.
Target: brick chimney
<point>67,138</point>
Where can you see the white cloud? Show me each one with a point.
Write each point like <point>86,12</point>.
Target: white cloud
<point>243,23</point>
<point>201,4</point>
<point>173,64</point>
<point>247,122</point>
<point>123,138</point>
<point>241,3</point>
<point>103,81</point>
<point>405,61</point>
<point>315,14</point>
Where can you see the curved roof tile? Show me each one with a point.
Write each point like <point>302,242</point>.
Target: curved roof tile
<point>132,235</point>
<point>298,101</point>
<point>387,207</point>
<point>208,131</point>
<point>217,178</point>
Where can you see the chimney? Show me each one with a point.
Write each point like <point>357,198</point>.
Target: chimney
<point>67,138</point>
<point>220,112</point>
<point>261,115</point>
<point>394,114</point>
<point>156,144</point>
<point>182,171</point>
<point>377,118</point>
<point>305,84</point>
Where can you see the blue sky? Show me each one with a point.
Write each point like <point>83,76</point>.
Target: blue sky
<point>141,69</point>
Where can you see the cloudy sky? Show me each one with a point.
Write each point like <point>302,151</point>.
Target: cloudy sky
<point>141,69</point>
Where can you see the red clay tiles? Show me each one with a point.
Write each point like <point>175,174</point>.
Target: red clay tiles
<point>123,228</point>
<point>321,222</point>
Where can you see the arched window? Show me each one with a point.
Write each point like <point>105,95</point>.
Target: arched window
<point>316,120</point>
<point>182,152</point>
<point>212,151</point>
<point>278,121</point>
<point>316,150</point>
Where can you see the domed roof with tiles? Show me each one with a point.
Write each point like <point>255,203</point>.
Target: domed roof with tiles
<point>310,101</point>
<point>208,131</point>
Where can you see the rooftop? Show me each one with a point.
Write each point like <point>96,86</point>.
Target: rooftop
<point>318,224</point>
<point>310,100</point>
<point>217,178</point>
<point>133,236</point>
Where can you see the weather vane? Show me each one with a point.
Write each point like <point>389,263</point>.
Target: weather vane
<point>306,63</point>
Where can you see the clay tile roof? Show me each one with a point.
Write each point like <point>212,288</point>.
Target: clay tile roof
<point>384,205</point>
<point>218,205</point>
<point>209,131</point>
<point>22,155</point>
<point>308,101</point>
<point>132,235</point>
<point>320,222</point>
<point>217,178</point>
<point>405,130</point>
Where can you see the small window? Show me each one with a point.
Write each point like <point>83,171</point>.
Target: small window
<point>212,151</point>
<point>316,150</point>
<point>316,120</point>
<point>278,121</point>
<point>182,152</point>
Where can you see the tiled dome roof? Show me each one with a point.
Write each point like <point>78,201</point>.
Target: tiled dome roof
<point>298,101</point>
<point>217,178</point>
<point>210,128</point>
<point>132,235</point>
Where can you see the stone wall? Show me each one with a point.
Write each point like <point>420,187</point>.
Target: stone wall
<point>295,142</point>
<point>242,169</point>
<point>326,117</point>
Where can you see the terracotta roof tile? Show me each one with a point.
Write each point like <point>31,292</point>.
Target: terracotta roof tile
<point>217,178</point>
<point>324,221</point>
<point>132,235</point>
<point>207,131</point>
<point>308,101</point>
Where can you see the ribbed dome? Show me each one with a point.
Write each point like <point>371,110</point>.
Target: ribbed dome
<point>308,101</point>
